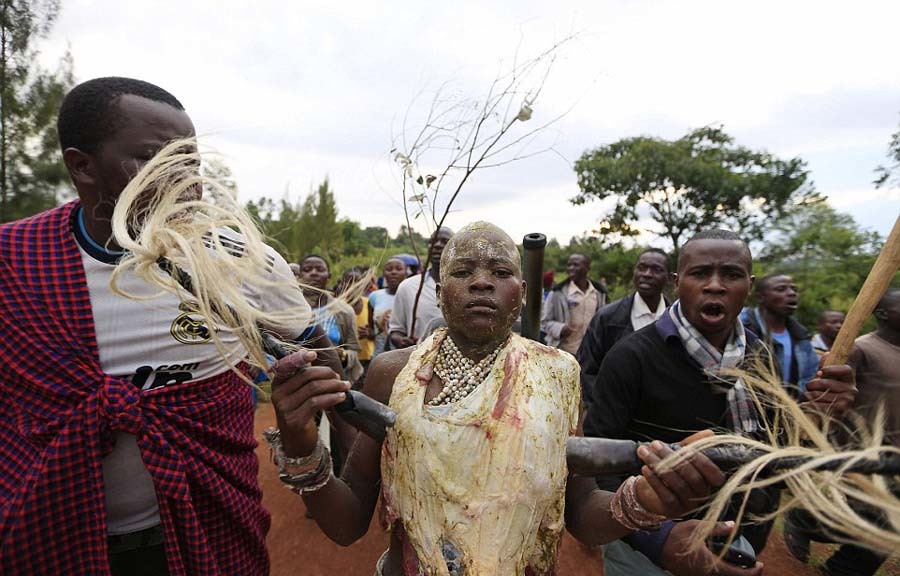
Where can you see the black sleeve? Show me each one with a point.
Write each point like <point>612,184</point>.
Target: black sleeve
<point>616,396</point>
<point>590,357</point>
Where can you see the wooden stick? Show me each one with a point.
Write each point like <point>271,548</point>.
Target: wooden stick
<point>873,289</point>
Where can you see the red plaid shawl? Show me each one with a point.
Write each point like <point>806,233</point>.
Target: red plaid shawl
<point>58,413</point>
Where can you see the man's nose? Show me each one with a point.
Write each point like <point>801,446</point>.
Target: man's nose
<point>714,284</point>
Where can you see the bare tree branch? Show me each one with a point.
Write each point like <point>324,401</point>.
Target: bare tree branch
<point>470,134</point>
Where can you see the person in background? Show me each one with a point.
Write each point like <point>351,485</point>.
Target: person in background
<point>381,302</point>
<point>629,314</point>
<point>336,318</point>
<point>830,322</point>
<point>360,304</point>
<point>571,305</point>
<point>777,298</point>
<point>401,322</point>
<point>547,281</point>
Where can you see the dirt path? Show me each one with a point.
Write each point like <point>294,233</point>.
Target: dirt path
<point>298,548</point>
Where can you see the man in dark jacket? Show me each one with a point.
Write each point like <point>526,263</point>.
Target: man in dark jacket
<point>624,316</point>
<point>670,379</point>
<point>777,298</point>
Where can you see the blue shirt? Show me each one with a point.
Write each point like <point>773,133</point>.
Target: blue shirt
<point>787,356</point>
<point>329,325</point>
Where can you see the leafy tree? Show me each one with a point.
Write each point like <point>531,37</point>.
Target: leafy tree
<point>31,170</point>
<point>701,180</point>
<point>883,174</point>
<point>376,235</point>
<point>826,253</point>
<point>355,242</point>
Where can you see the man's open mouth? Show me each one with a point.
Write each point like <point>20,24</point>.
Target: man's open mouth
<point>712,312</point>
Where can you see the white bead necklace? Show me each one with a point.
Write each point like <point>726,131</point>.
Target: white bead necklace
<point>459,374</point>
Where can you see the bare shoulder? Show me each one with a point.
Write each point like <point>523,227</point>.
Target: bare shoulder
<point>383,370</point>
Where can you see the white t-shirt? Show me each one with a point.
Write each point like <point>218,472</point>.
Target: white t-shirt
<point>401,316</point>
<point>154,343</point>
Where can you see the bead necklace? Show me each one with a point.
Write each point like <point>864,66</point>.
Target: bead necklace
<point>459,374</point>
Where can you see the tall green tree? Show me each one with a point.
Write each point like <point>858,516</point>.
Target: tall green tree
<point>827,254</point>
<point>32,174</point>
<point>701,180</point>
<point>298,229</point>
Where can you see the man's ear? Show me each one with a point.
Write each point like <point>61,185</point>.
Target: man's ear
<point>437,291</point>
<point>674,277</point>
<point>80,166</point>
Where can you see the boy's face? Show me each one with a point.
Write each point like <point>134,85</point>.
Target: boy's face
<point>481,286</point>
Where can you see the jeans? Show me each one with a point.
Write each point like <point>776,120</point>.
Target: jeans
<point>620,559</point>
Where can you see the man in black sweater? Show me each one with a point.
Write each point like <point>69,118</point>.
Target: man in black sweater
<point>624,316</point>
<point>663,383</point>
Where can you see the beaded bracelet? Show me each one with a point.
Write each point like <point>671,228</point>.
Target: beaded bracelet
<point>310,482</point>
<point>627,510</point>
<point>302,474</point>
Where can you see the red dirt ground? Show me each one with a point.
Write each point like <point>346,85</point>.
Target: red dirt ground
<point>298,548</point>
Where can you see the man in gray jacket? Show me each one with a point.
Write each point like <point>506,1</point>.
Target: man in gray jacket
<point>571,305</point>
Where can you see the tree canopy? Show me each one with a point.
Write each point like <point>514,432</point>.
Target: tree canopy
<point>701,180</point>
<point>826,253</point>
<point>32,174</point>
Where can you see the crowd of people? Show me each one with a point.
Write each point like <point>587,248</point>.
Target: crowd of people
<point>126,440</point>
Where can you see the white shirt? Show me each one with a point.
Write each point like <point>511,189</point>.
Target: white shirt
<point>401,316</point>
<point>153,342</point>
<point>641,315</point>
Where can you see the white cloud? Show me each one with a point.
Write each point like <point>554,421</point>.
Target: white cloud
<point>292,92</point>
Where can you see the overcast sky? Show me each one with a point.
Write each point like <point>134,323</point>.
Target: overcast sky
<point>292,92</point>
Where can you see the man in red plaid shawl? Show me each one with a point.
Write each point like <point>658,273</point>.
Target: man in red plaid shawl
<point>126,440</point>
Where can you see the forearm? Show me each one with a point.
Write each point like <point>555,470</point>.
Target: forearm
<point>588,516</point>
<point>338,512</point>
<point>343,508</point>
